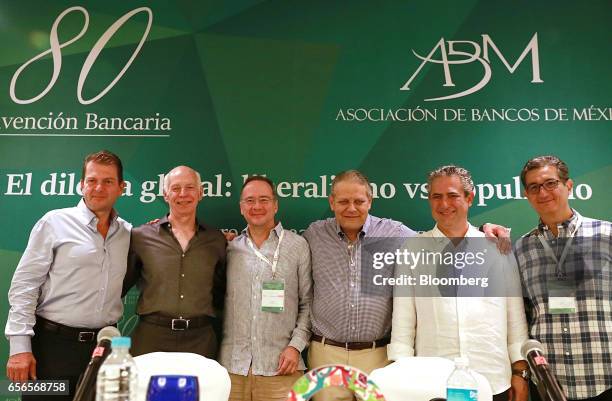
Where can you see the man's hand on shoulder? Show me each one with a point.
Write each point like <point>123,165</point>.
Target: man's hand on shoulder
<point>229,235</point>
<point>21,367</point>
<point>500,235</point>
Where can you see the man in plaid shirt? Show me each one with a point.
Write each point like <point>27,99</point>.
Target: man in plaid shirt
<point>565,268</point>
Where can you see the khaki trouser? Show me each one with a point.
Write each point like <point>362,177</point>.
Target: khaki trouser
<point>365,360</point>
<point>262,388</point>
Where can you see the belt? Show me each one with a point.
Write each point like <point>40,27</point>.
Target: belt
<point>352,346</point>
<point>80,334</point>
<point>179,324</point>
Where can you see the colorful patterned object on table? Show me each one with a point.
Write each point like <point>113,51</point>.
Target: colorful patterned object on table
<point>335,375</point>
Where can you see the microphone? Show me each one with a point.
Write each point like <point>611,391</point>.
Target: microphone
<point>548,386</point>
<point>86,389</point>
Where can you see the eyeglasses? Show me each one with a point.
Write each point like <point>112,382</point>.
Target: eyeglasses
<point>264,201</point>
<point>549,185</point>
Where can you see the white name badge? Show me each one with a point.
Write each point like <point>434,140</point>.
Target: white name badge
<point>561,305</point>
<point>273,296</point>
<point>561,297</point>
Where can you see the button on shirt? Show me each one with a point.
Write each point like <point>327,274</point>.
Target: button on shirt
<point>173,282</point>
<point>488,330</point>
<point>254,338</point>
<point>578,345</point>
<point>339,311</point>
<point>69,274</point>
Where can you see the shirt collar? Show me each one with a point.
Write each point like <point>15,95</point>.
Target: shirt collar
<point>89,218</point>
<point>440,236</point>
<point>278,229</point>
<point>362,233</point>
<point>567,226</point>
<point>437,234</point>
<point>165,222</point>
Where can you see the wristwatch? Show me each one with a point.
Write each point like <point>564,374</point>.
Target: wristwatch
<point>522,373</point>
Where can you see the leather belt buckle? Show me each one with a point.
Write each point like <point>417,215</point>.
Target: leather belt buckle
<point>86,336</point>
<point>180,324</point>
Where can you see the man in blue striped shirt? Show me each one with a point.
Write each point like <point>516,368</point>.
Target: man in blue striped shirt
<point>347,327</point>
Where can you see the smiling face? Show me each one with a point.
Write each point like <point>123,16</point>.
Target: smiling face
<point>101,187</point>
<point>183,191</point>
<point>449,204</point>
<point>258,204</point>
<point>547,202</point>
<point>350,203</point>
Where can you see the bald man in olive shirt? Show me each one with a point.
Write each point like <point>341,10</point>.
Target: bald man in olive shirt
<point>179,265</point>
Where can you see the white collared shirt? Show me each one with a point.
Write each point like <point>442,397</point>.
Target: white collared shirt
<point>488,330</point>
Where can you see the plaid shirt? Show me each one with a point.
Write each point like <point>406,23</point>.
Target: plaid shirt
<point>578,345</point>
<point>340,311</point>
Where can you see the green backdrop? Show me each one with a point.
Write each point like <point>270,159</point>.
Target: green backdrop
<point>300,90</point>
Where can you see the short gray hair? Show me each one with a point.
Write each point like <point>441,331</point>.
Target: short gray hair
<point>448,171</point>
<point>354,176</point>
<point>167,177</point>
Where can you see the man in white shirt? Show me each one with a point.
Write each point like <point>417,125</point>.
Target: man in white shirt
<point>488,330</point>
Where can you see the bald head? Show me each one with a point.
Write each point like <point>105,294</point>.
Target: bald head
<point>180,171</point>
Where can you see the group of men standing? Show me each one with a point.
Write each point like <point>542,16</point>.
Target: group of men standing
<point>282,292</point>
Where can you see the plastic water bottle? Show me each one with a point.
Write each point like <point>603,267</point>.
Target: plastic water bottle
<point>117,377</point>
<point>461,385</point>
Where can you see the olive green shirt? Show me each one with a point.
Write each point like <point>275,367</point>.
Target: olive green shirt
<point>173,282</point>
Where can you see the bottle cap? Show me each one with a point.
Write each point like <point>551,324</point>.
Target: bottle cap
<point>121,342</point>
<point>462,361</point>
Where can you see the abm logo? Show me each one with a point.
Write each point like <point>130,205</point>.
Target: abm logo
<point>477,54</point>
